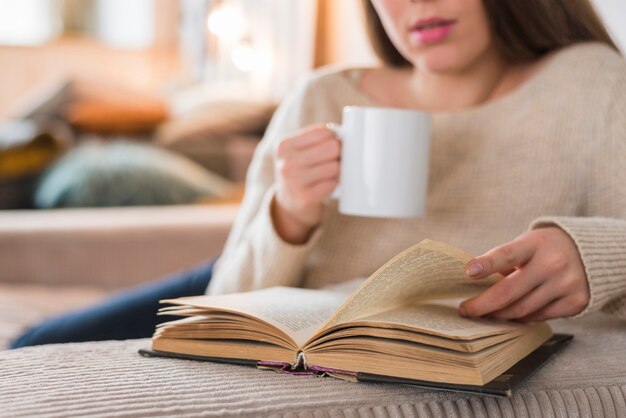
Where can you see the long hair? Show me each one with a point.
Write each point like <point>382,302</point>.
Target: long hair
<point>524,30</point>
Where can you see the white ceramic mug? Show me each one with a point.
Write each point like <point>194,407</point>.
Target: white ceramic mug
<point>384,162</point>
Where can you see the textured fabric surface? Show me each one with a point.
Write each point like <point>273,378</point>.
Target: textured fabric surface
<point>109,247</point>
<point>587,379</point>
<point>22,306</point>
<point>553,149</point>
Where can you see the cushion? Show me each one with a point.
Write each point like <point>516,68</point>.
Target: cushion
<point>215,122</point>
<point>220,136</point>
<point>121,173</point>
<point>587,378</point>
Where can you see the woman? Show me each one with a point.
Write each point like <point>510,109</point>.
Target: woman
<point>529,111</point>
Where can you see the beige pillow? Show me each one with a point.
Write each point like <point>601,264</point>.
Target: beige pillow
<point>214,123</point>
<point>220,136</point>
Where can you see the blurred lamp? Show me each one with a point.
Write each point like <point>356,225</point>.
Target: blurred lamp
<point>246,58</point>
<point>227,23</point>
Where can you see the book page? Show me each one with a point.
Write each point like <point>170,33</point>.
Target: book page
<point>440,318</point>
<point>427,270</point>
<point>296,312</point>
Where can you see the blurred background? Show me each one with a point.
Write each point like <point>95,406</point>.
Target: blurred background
<point>92,88</point>
<point>247,47</point>
<point>255,48</point>
<point>197,79</point>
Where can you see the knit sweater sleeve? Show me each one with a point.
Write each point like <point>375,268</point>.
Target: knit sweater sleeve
<point>254,255</point>
<point>601,235</point>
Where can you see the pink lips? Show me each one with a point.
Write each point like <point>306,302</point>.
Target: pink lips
<point>431,31</point>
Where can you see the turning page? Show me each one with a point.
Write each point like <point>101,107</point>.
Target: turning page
<point>427,270</point>
<point>440,318</point>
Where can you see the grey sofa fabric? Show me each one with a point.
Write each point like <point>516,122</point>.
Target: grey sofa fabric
<point>587,379</point>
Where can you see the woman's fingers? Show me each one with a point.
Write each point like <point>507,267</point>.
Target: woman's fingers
<point>320,172</point>
<point>501,294</point>
<point>565,306</point>
<point>501,259</point>
<point>323,188</point>
<point>307,138</point>
<point>305,162</point>
<point>327,150</point>
<point>548,273</point>
<point>306,171</point>
<point>537,299</point>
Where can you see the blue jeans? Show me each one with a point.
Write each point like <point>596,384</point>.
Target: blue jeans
<point>127,315</point>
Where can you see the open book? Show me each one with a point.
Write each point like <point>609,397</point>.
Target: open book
<point>401,324</point>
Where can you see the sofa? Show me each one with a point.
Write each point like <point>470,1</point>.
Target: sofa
<point>53,261</point>
<point>110,379</point>
<point>57,260</point>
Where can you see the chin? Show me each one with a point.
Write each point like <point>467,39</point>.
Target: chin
<point>438,62</point>
<point>440,59</point>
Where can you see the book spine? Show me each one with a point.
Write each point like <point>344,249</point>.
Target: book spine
<point>300,363</point>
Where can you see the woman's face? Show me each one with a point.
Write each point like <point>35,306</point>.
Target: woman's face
<point>437,35</point>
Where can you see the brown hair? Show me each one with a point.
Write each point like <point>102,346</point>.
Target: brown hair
<point>524,29</point>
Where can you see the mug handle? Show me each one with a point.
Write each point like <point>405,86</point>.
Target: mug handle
<point>336,129</point>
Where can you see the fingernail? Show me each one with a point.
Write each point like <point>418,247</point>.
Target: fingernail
<point>475,270</point>
<point>462,311</point>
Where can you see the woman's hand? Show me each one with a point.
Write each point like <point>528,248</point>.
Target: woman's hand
<point>545,278</point>
<point>307,171</point>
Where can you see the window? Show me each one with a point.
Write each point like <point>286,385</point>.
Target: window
<point>29,22</point>
<point>119,23</point>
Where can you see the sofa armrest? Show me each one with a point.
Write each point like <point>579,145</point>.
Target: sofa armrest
<point>109,247</point>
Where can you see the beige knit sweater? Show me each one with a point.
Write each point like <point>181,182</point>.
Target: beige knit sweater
<point>552,152</point>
